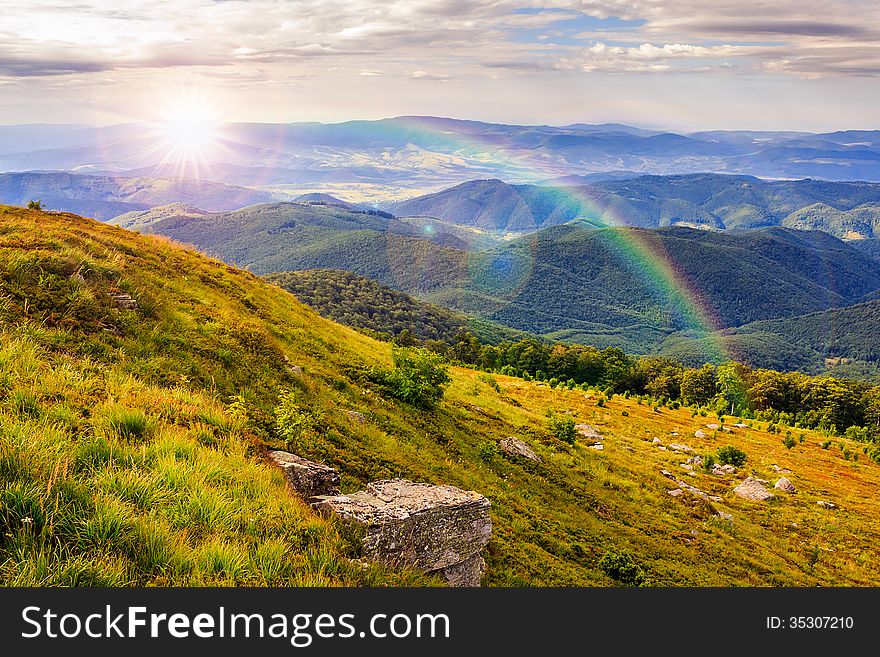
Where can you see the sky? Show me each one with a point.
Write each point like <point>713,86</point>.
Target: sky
<point>674,64</point>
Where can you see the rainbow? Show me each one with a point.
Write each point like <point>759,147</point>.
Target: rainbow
<point>634,247</point>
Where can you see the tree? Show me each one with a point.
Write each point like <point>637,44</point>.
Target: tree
<point>732,387</point>
<point>35,205</point>
<point>699,386</point>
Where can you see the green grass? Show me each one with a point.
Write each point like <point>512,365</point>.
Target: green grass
<point>131,445</point>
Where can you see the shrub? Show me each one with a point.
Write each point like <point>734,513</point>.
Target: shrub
<point>562,426</point>
<point>490,381</point>
<point>730,455</point>
<point>553,382</point>
<point>295,425</point>
<point>601,402</point>
<point>626,413</point>
<point>621,567</point>
<point>825,444</point>
<point>487,450</point>
<point>789,442</point>
<point>419,376</point>
<point>35,205</point>
<point>708,462</point>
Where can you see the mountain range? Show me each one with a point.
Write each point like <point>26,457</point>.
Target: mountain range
<point>432,150</point>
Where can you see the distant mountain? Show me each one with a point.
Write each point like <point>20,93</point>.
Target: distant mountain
<point>586,285</point>
<point>842,340</point>
<point>845,209</point>
<point>432,150</point>
<point>326,199</point>
<point>104,197</point>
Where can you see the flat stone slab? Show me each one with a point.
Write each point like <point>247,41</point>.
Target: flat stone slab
<point>307,478</point>
<point>516,447</point>
<point>752,489</point>
<point>588,431</point>
<point>418,525</point>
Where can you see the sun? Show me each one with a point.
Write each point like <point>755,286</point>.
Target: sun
<point>188,135</point>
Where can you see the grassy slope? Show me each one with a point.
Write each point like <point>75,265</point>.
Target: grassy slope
<point>117,440</point>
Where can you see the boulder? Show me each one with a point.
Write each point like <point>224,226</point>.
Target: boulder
<point>700,434</point>
<point>741,425</point>
<point>695,460</point>
<point>597,446</point>
<point>752,489</point>
<point>432,528</point>
<point>784,484</point>
<point>355,416</point>
<point>667,474</point>
<point>713,426</point>
<point>725,469</point>
<point>516,447</point>
<point>675,492</point>
<point>826,505</point>
<point>656,441</point>
<point>307,478</point>
<point>678,447</point>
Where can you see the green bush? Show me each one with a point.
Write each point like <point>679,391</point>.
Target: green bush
<point>487,451</point>
<point>708,462</point>
<point>562,426</point>
<point>419,376</point>
<point>490,381</point>
<point>730,455</point>
<point>621,567</point>
<point>296,425</point>
<point>789,442</point>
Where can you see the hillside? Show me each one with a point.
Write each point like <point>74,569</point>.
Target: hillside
<point>278,237</point>
<point>131,442</point>
<point>105,197</point>
<point>847,209</point>
<point>364,304</point>
<point>584,285</point>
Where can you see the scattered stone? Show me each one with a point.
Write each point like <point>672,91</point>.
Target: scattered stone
<point>355,416</point>
<point>826,505</point>
<point>675,492</point>
<point>687,466</point>
<point>700,434</point>
<point>678,447</point>
<point>661,448</point>
<point>597,446</point>
<point>667,474</point>
<point>433,528</point>
<point>674,433</point>
<point>693,490</point>
<point>752,489</point>
<point>713,426</point>
<point>716,498</point>
<point>516,447</point>
<point>307,478</point>
<point>776,468</point>
<point>726,517</point>
<point>741,425</point>
<point>695,460</point>
<point>588,431</point>
<point>725,469</point>
<point>656,441</point>
<point>124,301</point>
<point>784,484</point>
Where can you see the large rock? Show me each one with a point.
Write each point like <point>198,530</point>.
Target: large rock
<point>432,528</point>
<point>588,431</point>
<point>784,484</point>
<point>516,447</point>
<point>307,478</point>
<point>752,489</point>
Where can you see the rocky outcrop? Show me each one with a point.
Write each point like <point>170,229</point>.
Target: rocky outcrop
<point>307,478</point>
<point>438,529</point>
<point>515,447</point>
<point>752,489</point>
